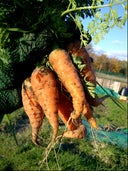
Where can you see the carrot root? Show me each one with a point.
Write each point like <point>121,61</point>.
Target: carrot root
<point>45,88</point>
<point>68,75</point>
<point>93,123</point>
<point>79,133</point>
<point>65,109</point>
<point>32,109</point>
<point>74,49</point>
<point>41,97</point>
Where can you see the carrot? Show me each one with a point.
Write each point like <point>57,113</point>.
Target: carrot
<point>63,66</point>
<point>32,109</point>
<point>65,109</point>
<point>45,88</point>
<point>80,132</point>
<point>61,63</point>
<point>74,49</point>
<point>75,129</point>
<point>94,101</point>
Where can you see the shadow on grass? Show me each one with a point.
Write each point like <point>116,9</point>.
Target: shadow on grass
<point>6,166</point>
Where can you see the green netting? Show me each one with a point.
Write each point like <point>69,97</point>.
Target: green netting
<point>118,138</point>
<point>105,91</point>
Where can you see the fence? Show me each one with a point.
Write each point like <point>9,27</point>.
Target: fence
<point>111,84</point>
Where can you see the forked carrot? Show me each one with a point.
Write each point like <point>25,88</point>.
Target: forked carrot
<point>45,88</point>
<point>32,109</point>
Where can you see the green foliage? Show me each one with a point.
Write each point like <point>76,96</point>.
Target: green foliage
<point>4,57</point>
<point>30,45</point>
<point>102,22</point>
<point>6,78</point>
<point>90,87</point>
<point>29,30</point>
<point>10,100</point>
<point>33,16</point>
<point>25,16</point>
<point>78,62</point>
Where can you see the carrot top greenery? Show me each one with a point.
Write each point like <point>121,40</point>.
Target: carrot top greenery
<point>31,29</point>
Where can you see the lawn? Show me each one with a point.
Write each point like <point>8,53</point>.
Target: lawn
<point>69,154</point>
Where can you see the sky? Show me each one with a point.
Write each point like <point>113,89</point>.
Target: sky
<point>114,43</point>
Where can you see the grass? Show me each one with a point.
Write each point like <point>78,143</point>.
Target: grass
<point>111,114</point>
<point>69,154</point>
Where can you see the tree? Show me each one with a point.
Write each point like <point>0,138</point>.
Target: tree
<point>124,70</point>
<point>104,63</point>
<point>114,65</point>
<point>101,63</point>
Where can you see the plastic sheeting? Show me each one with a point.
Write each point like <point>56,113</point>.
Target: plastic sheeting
<point>105,91</point>
<point>119,138</point>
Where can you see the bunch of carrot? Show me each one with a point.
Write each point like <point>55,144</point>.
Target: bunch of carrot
<point>42,96</point>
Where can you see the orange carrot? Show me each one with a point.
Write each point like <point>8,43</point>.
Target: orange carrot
<point>74,49</point>
<point>80,132</point>
<point>65,109</point>
<point>45,88</point>
<point>75,128</point>
<point>32,109</point>
<point>67,73</point>
<point>63,66</point>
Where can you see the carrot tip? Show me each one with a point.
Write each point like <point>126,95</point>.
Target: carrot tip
<point>93,123</point>
<point>74,116</point>
<point>80,133</point>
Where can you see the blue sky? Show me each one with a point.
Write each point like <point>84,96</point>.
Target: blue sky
<point>114,43</point>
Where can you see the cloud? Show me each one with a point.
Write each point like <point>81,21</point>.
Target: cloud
<point>119,54</point>
<point>98,49</point>
<point>117,42</point>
